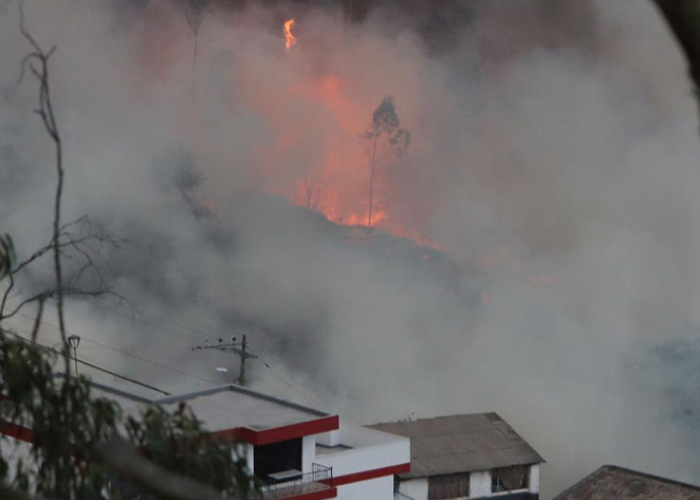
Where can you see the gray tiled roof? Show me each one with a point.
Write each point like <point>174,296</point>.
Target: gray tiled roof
<point>616,483</point>
<point>461,443</point>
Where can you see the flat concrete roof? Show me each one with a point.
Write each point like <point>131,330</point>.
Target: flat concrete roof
<point>231,406</point>
<point>225,408</point>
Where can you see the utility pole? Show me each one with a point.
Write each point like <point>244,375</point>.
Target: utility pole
<point>241,369</point>
<point>239,348</point>
<point>74,342</point>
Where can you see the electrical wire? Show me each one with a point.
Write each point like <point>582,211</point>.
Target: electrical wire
<point>304,395</point>
<point>133,356</point>
<point>87,363</point>
<point>301,393</point>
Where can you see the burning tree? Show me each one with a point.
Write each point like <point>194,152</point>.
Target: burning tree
<point>385,139</point>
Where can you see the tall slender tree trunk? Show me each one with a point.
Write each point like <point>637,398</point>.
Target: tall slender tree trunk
<point>373,168</point>
<point>194,70</point>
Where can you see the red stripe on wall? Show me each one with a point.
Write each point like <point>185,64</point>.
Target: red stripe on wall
<point>293,431</point>
<point>351,478</point>
<point>371,474</point>
<point>284,433</point>
<point>247,434</point>
<point>17,431</point>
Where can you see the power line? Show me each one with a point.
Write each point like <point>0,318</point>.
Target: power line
<point>91,365</point>
<point>124,353</point>
<point>183,331</point>
<point>301,393</point>
<point>183,328</point>
<point>239,348</point>
<point>147,361</point>
<point>213,347</point>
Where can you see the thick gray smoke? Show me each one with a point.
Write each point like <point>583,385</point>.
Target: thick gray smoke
<point>554,161</point>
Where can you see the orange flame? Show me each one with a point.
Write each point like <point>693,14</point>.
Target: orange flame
<point>290,38</point>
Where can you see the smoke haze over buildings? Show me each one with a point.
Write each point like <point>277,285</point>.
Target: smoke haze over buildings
<point>553,174</point>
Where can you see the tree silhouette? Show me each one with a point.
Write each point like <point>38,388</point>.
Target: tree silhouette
<point>386,139</point>
<point>195,12</point>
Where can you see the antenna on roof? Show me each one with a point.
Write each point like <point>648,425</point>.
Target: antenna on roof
<point>239,348</point>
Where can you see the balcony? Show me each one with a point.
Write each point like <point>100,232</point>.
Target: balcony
<point>319,479</point>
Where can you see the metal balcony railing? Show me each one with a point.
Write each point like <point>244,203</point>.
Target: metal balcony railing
<point>320,478</point>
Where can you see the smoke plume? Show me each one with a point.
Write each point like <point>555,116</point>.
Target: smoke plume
<point>534,250</point>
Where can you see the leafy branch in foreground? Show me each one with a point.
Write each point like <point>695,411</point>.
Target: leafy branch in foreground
<point>70,428</point>
<point>66,427</point>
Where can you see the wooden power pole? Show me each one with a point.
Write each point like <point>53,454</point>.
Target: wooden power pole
<point>241,366</point>
<point>239,348</point>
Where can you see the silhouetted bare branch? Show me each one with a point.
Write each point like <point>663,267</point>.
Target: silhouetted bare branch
<point>38,63</point>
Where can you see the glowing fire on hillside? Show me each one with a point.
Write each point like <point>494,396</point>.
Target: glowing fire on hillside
<point>290,39</point>
<point>317,158</point>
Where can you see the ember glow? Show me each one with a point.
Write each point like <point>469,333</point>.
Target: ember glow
<point>290,39</point>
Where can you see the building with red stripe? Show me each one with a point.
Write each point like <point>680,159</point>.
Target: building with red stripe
<point>298,452</point>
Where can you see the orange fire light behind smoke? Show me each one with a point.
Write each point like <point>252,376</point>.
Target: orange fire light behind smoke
<point>317,159</point>
<point>289,37</point>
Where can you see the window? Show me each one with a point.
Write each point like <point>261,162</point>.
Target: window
<point>448,486</point>
<point>277,457</point>
<point>510,478</point>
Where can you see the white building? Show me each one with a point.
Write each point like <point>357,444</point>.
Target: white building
<point>466,456</point>
<point>298,452</point>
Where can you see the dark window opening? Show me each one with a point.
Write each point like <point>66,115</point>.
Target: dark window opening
<point>510,478</point>
<point>277,457</point>
<point>448,486</point>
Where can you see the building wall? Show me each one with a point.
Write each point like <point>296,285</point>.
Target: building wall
<point>366,456</point>
<point>535,479</point>
<point>308,453</point>
<point>479,487</point>
<point>331,438</point>
<point>250,457</point>
<point>367,453</point>
<point>381,488</point>
<point>414,488</point>
<point>480,484</point>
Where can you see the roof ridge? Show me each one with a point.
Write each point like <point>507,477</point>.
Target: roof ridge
<point>439,417</point>
<point>619,468</point>
<point>653,476</point>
